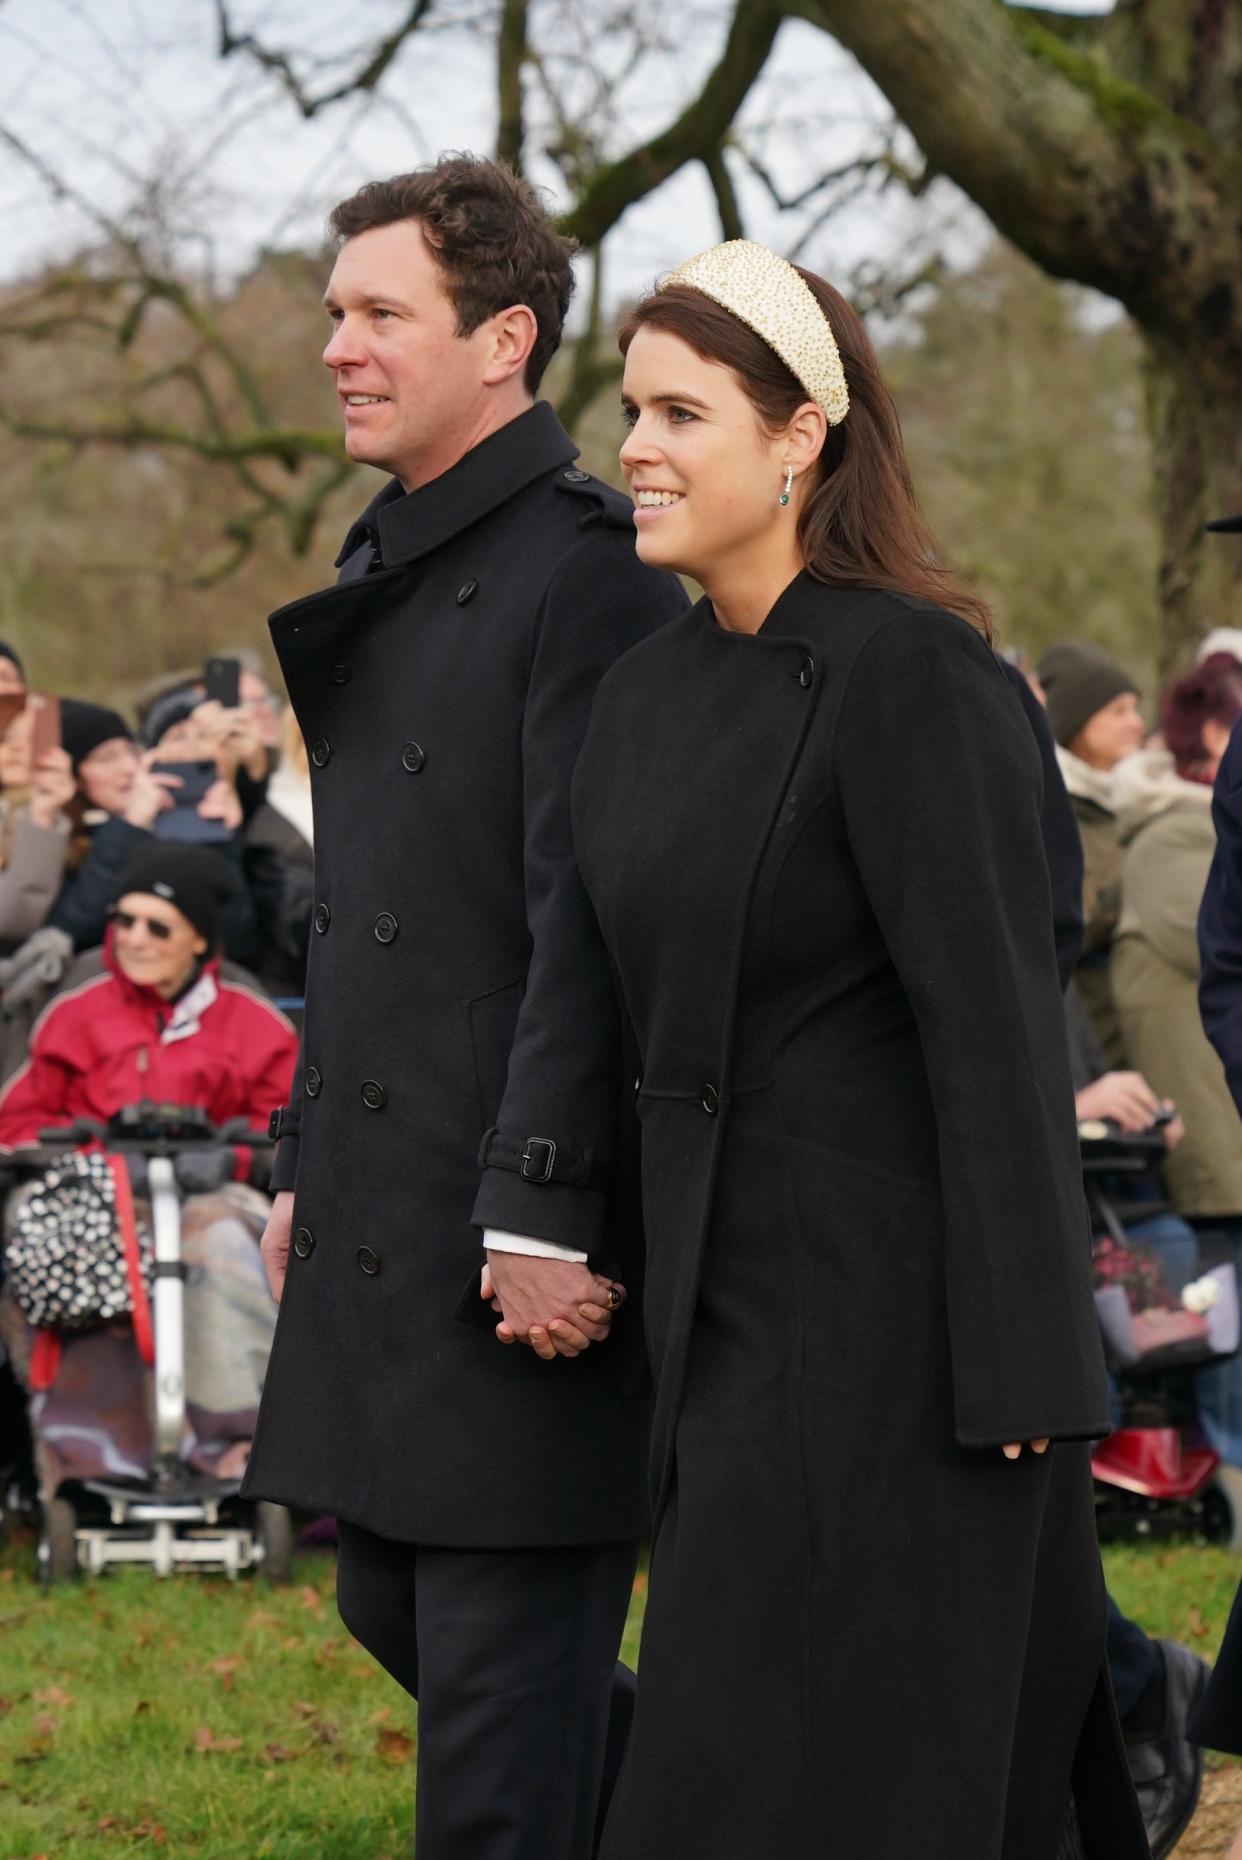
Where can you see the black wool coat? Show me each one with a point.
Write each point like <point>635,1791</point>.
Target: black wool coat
<point>462,1053</point>
<point>816,858</point>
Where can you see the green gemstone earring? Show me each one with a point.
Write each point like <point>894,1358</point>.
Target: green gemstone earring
<point>784,497</point>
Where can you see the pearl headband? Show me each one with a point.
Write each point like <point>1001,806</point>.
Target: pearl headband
<point>763,290</point>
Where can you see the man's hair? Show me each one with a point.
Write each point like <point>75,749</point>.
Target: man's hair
<point>492,236</point>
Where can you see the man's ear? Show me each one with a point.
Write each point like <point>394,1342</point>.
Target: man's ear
<point>511,337</point>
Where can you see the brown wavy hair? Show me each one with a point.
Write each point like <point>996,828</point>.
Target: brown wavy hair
<point>492,236</point>
<point>861,526</point>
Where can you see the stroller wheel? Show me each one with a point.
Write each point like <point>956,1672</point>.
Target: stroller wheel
<point>1227,1485</point>
<point>275,1531</point>
<point>58,1542</point>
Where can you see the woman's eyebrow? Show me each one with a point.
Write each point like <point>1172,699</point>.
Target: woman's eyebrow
<point>663,400</point>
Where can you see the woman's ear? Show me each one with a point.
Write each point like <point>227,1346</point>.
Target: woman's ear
<point>200,946</point>
<point>804,437</point>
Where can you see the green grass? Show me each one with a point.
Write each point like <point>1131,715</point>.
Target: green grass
<point>231,1721</point>
<point>214,1720</point>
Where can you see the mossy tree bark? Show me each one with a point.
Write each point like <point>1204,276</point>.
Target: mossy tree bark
<point>1110,155</point>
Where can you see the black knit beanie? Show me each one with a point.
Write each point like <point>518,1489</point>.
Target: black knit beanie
<point>193,878</point>
<point>1078,680</point>
<point>84,727</point>
<point>7,652</point>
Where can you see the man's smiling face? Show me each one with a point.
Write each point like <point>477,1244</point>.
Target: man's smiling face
<point>409,386</point>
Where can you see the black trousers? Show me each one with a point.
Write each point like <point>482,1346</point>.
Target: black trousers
<point>523,1710</point>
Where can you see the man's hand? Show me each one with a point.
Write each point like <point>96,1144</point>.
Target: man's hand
<point>274,1246</point>
<point>557,1306</point>
<point>1124,1098</point>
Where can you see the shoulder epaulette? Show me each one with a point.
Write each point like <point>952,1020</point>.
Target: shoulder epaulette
<point>602,505</point>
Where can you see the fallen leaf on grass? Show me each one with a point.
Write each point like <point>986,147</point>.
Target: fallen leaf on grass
<point>45,1725</point>
<point>394,1746</point>
<point>380,1716</point>
<point>304,1708</point>
<point>1199,1628</point>
<point>224,1668</point>
<point>141,1706</point>
<point>205,1739</point>
<point>263,1617</point>
<point>52,1695</point>
<point>278,1753</point>
<point>151,1831</point>
<point>310,1598</point>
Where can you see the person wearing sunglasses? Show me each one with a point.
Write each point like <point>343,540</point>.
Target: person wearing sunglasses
<point>162,1022</point>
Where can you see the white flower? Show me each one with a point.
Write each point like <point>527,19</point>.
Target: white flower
<point>1201,1294</point>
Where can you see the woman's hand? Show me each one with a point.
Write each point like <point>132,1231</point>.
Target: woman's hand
<point>221,803</point>
<point>52,787</point>
<point>1013,1450</point>
<point>150,794</point>
<point>233,738</point>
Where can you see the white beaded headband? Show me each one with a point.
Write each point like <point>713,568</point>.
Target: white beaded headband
<point>763,290</point>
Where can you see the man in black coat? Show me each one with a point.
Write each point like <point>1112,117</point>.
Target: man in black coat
<point>462,1053</point>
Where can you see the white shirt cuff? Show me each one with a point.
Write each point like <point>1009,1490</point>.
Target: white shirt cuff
<point>536,1249</point>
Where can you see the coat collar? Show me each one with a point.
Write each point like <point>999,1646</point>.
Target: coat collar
<point>404,525</point>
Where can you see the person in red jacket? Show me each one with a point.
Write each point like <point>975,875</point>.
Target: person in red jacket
<point>161,1023</point>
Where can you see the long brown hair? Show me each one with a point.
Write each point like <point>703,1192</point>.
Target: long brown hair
<point>861,526</point>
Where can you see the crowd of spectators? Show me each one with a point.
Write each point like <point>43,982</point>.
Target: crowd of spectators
<point>155,907</point>
<point>1141,789</point>
<point>72,816</point>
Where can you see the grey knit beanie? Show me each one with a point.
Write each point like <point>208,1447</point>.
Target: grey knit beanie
<point>1078,680</point>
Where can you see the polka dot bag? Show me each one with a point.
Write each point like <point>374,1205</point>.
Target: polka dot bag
<point>76,1256</point>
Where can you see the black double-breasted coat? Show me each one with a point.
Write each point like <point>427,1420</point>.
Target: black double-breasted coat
<point>461,1055</point>
<point>815,854</point>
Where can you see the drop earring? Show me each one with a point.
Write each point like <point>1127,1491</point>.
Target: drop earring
<point>784,497</point>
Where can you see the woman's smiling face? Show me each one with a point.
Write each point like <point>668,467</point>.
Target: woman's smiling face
<point>704,474</point>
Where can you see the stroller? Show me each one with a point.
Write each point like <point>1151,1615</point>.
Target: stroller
<point>179,1516</point>
<point>1157,1474</point>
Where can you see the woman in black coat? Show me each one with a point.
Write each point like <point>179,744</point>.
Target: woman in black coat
<point>808,817</point>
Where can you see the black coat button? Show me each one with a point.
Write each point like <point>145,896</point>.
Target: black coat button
<point>373,1095</point>
<point>412,758</point>
<point>321,749</point>
<point>806,672</point>
<point>340,674</point>
<point>313,1081</point>
<point>710,1100</point>
<point>304,1243</point>
<point>466,592</point>
<point>574,476</point>
<point>323,917</point>
<point>368,1260</point>
<point>385,927</point>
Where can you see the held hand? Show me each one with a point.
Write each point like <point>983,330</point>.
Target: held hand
<point>544,1302</point>
<point>52,787</point>
<point>274,1246</point>
<point>1014,1449</point>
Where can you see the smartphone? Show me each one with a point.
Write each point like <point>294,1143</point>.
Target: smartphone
<point>45,733</point>
<point>1164,1115</point>
<point>222,679</point>
<point>182,821</point>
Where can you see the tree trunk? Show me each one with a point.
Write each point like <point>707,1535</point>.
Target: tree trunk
<point>1194,411</point>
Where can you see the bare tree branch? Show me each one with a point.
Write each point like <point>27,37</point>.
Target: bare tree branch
<point>726,194</point>
<point>699,129</point>
<point>366,78</point>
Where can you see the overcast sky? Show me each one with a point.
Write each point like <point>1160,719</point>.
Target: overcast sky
<point>113,93</point>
